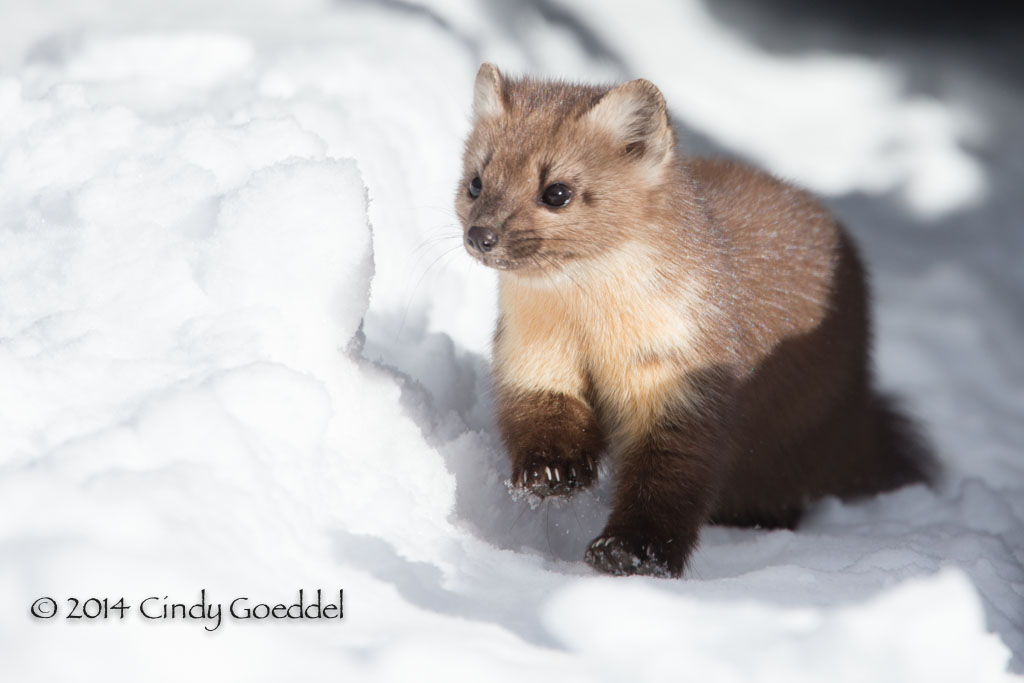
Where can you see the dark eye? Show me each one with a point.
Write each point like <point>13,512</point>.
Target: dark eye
<point>475,187</point>
<point>556,196</point>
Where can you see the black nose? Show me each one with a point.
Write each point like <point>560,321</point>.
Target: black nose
<point>481,239</point>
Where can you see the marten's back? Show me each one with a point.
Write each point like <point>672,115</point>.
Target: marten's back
<point>810,423</point>
<point>785,256</point>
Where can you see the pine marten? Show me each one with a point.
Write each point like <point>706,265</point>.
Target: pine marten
<point>699,323</point>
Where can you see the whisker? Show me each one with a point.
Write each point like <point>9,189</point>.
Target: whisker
<point>577,516</point>
<point>434,207</point>
<point>408,305</point>
<point>529,238</point>
<point>522,510</point>
<point>554,284</point>
<point>547,527</point>
<point>563,271</point>
<point>431,241</point>
<point>422,251</point>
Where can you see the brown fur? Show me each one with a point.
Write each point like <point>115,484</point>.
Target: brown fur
<point>699,322</point>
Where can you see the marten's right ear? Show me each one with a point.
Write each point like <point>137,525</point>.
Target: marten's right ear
<point>487,96</point>
<point>635,114</point>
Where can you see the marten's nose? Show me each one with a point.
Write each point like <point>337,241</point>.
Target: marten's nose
<point>481,239</point>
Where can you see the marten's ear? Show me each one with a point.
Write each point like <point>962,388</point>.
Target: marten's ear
<point>635,114</point>
<point>487,95</point>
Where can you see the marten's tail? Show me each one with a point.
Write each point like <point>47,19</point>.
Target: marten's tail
<point>905,456</point>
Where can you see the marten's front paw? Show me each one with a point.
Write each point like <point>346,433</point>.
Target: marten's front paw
<point>545,475</point>
<point>625,555</point>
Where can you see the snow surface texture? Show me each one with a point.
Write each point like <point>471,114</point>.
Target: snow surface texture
<point>242,351</point>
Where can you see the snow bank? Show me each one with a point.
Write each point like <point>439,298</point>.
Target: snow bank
<point>928,630</point>
<point>243,353</point>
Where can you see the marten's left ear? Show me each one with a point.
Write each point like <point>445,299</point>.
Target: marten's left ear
<point>488,98</point>
<point>635,114</point>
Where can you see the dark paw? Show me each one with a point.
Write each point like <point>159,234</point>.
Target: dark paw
<point>622,556</point>
<point>546,476</point>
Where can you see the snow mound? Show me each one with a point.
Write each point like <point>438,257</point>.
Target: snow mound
<point>927,630</point>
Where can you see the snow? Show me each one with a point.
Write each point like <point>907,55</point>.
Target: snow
<point>244,352</point>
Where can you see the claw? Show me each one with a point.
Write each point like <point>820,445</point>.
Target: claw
<point>547,470</point>
<point>558,476</point>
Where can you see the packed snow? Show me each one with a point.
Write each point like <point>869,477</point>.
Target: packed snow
<point>243,351</point>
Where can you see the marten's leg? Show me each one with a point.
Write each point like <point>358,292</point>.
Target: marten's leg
<point>552,439</point>
<point>668,480</point>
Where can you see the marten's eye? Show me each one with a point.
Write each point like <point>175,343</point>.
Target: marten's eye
<point>475,187</point>
<point>556,196</point>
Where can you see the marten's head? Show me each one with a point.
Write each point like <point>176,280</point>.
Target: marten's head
<point>556,172</point>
